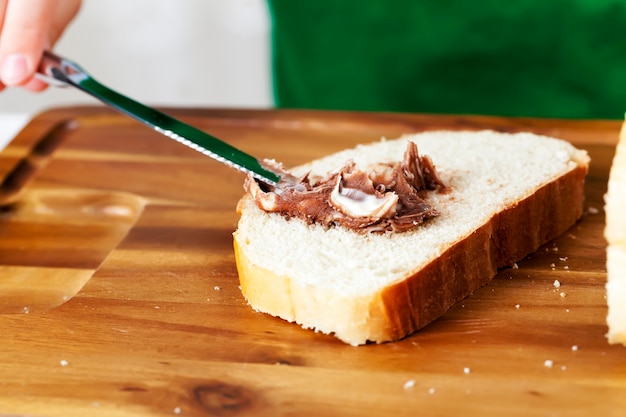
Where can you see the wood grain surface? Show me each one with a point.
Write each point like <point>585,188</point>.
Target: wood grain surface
<point>119,293</point>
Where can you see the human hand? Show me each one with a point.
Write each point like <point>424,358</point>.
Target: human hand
<point>27,27</point>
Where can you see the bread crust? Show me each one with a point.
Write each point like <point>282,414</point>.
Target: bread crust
<point>407,306</point>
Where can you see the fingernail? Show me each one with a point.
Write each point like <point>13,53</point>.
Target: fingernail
<point>14,69</point>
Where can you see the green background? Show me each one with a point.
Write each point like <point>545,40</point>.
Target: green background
<point>548,58</point>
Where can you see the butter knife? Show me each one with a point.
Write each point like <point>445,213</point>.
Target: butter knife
<point>57,70</point>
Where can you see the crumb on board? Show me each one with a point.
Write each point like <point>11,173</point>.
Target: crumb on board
<point>431,391</point>
<point>409,384</point>
<point>548,363</point>
<point>64,362</point>
<point>466,370</point>
<point>556,283</point>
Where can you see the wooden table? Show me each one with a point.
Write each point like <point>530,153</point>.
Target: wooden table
<point>119,293</point>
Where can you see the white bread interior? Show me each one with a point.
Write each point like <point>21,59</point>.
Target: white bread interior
<point>615,233</point>
<point>511,193</point>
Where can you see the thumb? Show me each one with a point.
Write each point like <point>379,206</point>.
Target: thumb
<point>23,38</point>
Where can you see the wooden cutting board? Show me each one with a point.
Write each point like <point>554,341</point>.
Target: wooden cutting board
<point>119,292</point>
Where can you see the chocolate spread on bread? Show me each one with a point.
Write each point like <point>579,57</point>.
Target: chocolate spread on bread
<point>388,198</point>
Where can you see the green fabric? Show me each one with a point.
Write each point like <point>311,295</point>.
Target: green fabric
<point>541,58</point>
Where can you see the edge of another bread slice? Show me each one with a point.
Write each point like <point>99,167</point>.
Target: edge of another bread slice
<point>615,233</point>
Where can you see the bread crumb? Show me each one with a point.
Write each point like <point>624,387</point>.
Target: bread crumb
<point>563,294</point>
<point>567,310</point>
<point>217,288</point>
<point>63,362</point>
<point>548,363</point>
<point>557,283</point>
<point>563,259</point>
<point>466,370</point>
<point>574,348</point>
<point>517,306</point>
<point>553,266</point>
<point>157,307</point>
<point>177,410</point>
<point>563,368</point>
<point>409,384</point>
<point>593,210</point>
<point>515,266</point>
<point>26,310</point>
<point>431,391</point>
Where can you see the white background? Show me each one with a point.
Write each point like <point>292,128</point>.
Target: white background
<point>209,53</point>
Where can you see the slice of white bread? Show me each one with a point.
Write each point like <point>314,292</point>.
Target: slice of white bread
<point>510,194</point>
<point>615,233</point>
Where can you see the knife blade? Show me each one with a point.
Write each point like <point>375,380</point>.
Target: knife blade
<point>59,71</point>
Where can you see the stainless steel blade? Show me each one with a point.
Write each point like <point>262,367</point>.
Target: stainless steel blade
<point>57,69</point>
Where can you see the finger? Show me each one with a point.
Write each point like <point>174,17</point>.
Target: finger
<point>64,14</point>
<point>35,85</point>
<point>24,34</point>
<point>3,6</point>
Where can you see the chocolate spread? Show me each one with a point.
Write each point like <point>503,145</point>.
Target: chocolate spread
<point>387,198</point>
